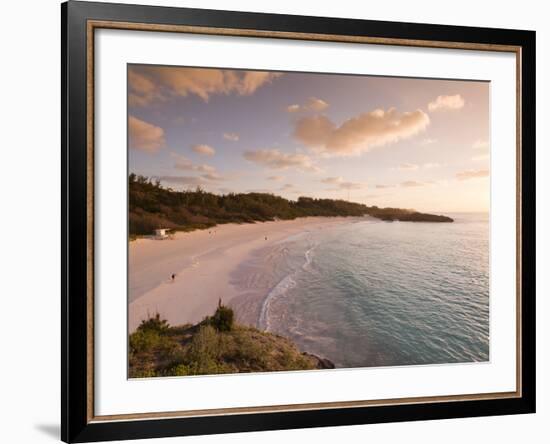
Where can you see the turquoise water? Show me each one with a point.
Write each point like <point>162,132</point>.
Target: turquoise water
<point>370,293</point>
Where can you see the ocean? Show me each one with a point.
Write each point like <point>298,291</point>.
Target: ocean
<point>370,293</point>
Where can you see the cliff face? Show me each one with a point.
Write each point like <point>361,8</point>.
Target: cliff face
<point>214,346</point>
<point>322,363</point>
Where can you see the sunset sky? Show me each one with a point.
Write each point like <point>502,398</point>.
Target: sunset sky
<point>409,143</point>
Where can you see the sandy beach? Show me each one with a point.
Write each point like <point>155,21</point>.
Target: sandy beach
<point>202,261</point>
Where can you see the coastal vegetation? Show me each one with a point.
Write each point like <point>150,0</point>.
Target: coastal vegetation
<point>214,346</point>
<point>391,214</point>
<point>152,206</point>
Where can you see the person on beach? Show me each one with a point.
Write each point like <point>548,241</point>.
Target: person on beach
<point>173,277</point>
<point>266,238</point>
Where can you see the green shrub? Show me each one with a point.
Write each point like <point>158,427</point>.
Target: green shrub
<point>143,341</point>
<point>215,346</point>
<point>154,324</point>
<point>249,352</point>
<point>152,335</point>
<point>204,352</point>
<point>203,345</point>
<point>223,318</point>
<point>177,370</point>
<point>145,373</point>
<point>293,361</point>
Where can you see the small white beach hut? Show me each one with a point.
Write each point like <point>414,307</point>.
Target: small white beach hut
<point>161,233</point>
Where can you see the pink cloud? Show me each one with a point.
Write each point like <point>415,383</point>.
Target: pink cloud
<point>359,134</point>
<point>145,136</point>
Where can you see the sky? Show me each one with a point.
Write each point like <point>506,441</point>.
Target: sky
<point>385,141</point>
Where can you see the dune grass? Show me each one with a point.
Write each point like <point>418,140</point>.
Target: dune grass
<point>216,345</point>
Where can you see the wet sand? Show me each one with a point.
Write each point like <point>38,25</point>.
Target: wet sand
<point>202,261</point>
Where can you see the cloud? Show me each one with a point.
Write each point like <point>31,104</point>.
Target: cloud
<point>481,157</point>
<point>213,176</point>
<point>412,183</point>
<point>203,168</point>
<point>359,134</point>
<point>145,136</point>
<point>430,165</point>
<point>276,178</point>
<point>286,186</point>
<point>253,80</point>
<point>315,104</point>
<point>480,144</point>
<point>233,137</point>
<point>375,196</point>
<point>332,180</point>
<point>142,90</point>
<point>193,181</point>
<point>342,184</point>
<point>158,83</point>
<point>209,173</point>
<point>275,159</point>
<point>314,131</point>
<point>442,103</point>
<point>407,167</point>
<point>414,167</point>
<point>183,163</point>
<point>350,185</point>
<point>293,108</point>
<point>312,104</point>
<point>472,174</point>
<point>204,150</point>
<point>428,141</point>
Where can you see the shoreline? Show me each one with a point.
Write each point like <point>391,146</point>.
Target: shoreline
<point>202,261</point>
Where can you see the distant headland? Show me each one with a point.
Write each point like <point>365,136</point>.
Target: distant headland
<point>152,206</point>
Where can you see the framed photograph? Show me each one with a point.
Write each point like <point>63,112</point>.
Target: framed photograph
<point>276,221</point>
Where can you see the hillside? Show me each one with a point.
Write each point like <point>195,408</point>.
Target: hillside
<point>152,206</point>
<point>214,346</point>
